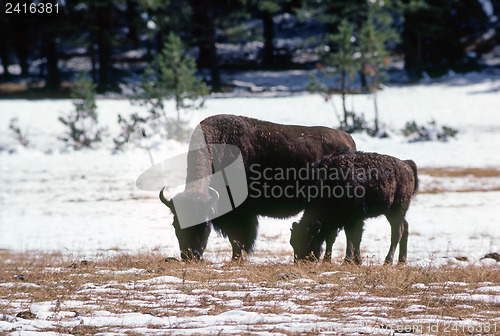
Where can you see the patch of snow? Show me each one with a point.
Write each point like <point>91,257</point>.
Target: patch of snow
<point>415,308</point>
<point>162,280</point>
<point>493,289</point>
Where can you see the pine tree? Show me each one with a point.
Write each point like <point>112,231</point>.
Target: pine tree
<point>167,16</point>
<point>266,10</point>
<point>437,34</point>
<point>339,58</point>
<point>171,75</point>
<point>82,122</point>
<point>375,33</point>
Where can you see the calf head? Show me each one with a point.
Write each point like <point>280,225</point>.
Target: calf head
<point>306,240</point>
<point>193,239</point>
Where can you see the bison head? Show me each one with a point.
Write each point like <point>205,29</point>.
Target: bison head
<point>193,239</point>
<point>306,240</point>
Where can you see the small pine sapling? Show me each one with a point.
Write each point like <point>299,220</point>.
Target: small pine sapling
<point>171,75</point>
<point>375,33</point>
<point>430,132</point>
<point>82,122</point>
<point>339,58</point>
<point>21,136</point>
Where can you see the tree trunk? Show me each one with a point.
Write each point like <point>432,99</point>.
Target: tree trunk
<point>104,18</point>
<point>420,56</point>
<point>214,68</point>
<point>375,105</point>
<point>4,55</point>
<point>204,16</point>
<point>21,42</point>
<point>362,77</point>
<point>4,45</point>
<point>132,15</point>
<point>159,41</point>
<point>267,21</point>
<point>50,52</point>
<point>21,25</point>
<point>343,92</point>
<point>103,53</point>
<point>93,59</point>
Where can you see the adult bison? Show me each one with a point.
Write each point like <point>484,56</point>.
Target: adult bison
<point>353,187</point>
<point>266,148</point>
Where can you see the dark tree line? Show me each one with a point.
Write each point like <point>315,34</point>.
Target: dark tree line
<point>437,36</point>
<point>434,35</point>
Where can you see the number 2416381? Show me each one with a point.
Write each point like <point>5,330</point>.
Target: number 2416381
<point>33,8</point>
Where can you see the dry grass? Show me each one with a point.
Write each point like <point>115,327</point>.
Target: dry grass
<point>466,190</point>
<point>462,180</point>
<point>33,90</point>
<point>460,172</point>
<point>120,285</point>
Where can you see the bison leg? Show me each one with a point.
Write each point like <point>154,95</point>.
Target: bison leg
<point>240,229</point>
<point>327,258</point>
<point>403,244</point>
<point>353,233</point>
<point>236,245</point>
<point>397,228</point>
<point>330,239</point>
<point>349,251</point>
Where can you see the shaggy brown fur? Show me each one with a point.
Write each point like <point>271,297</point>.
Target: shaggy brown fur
<point>263,145</point>
<point>385,186</point>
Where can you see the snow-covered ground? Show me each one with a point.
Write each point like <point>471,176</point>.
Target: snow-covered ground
<point>158,298</point>
<point>86,202</point>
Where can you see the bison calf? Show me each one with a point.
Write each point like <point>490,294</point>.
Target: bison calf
<point>350,188</point>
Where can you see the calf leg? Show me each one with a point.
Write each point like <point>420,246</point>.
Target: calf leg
<point>403,244</point>
<point>349,250</point>
<point>397,229</point>
<point>353,233</point>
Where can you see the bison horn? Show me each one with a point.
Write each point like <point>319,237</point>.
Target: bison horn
<point>168,203</point>
<point>214,193</point>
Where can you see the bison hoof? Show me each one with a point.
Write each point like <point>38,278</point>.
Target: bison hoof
<point>237,258</point>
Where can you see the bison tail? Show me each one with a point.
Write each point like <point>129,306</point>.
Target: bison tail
<point>413,167</point>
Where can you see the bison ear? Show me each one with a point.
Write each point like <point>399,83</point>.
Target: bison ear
<point>294,226</point>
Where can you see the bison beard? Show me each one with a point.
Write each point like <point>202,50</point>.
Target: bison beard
<point>262,144</point>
